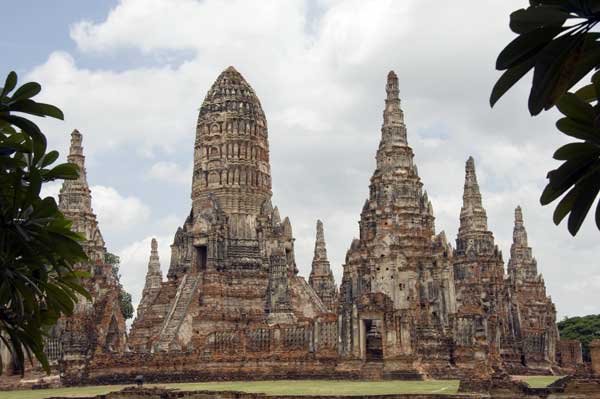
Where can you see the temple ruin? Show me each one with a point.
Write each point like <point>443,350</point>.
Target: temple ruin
<point>232,305</point>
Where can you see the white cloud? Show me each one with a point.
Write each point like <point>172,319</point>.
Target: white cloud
<point>320,74</point>
<point>51,189</point>
<point>115,211</point>
<point>171,172</point>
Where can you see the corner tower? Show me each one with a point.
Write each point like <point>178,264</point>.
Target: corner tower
<point>75,202</point>
<point>396,294</point>
<point>321,278</point>
<point>534,313</point>
<point>483,329</point>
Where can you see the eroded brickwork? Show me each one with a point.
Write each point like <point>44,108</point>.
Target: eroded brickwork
<point>483,328</point>
<point>533,313</point>
<point>321,277</point>
<point>397,292</point>
<point>97,326</point>
<point>409,305</point>
<point>232,275</point>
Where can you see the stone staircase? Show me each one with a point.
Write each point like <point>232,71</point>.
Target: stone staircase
<point>185,293</point>
<point>307,290</point>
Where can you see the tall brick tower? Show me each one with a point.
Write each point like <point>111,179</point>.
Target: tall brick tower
<point>321,278</point>
<point>534,314</point>
<point>482,323</point>
<point>232,261</point>
<point>397,293</point>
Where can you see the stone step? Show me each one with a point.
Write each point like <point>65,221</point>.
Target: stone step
<point>178,311</point>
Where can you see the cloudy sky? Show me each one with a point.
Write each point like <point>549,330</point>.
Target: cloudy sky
<point>131,75</point>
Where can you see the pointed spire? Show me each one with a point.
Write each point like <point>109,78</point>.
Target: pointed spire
<point>276,218</point>
<point>521,264</point>
<point>472,214</point>
<point>75,202</point>
<point>154,274</point>
<point>321,278</point>
<point>287,228</point>
<point>320,248</point>
<point>519,232</point>
<point>76,154</point>
<point>393,129</point>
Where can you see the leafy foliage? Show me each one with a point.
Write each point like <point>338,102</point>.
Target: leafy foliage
<point>125,301</point>
<point>556,41</point>
<point>584,329</point>
<point>38,250</point>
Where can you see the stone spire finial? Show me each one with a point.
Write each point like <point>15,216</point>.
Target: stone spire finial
<point>521,265</point>
<point>392,87</point>
<point>321,278</point>
<point>393,129</point>
<point>75,202</point>
<point>276,218</point>
<point>472,214</point>
<point>154,274</point>
<point>320,248</point>
<point>519,232</point>
<point>76,154</point>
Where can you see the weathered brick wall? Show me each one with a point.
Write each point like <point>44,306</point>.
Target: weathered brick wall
<point>595,355</point>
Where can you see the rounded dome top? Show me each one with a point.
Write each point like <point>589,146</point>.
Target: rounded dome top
<point>231,151</point>
<point>231,93</point>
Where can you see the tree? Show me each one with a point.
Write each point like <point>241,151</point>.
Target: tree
<point>125,301</point>
<point>584,329</point>
<point>38,250</point>
<point>556,41</point>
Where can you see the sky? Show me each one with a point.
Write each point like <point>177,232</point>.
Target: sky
<point>130,75</point>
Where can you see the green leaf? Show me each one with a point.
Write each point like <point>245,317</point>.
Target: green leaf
<point>39,109</point>
<point>587,195</point>
<point>576,150</point>
<point>564,206</point>
<point>598,215</point>
<point>28,90</point>
<point>49,158</point>
<point>9,84</point>
<point>552,71</point>
<point>526,20</point>
<point>509,78</point>
<point>578,130</point>
<point>587,93</point>
<point>590,59</point>
<point>35,185</point>
<point>575,108</point>
<point>67,171</point>
<point>525,46</point>
<point>32,130</point>
<point>563,178</point>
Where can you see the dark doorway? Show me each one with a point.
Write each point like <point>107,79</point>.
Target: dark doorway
<point>201,257</point>
<point>374,344</point>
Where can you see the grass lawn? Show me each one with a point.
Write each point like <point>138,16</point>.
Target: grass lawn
<point>300,387</point>
<point>539,381</point>
<point>306,387</point>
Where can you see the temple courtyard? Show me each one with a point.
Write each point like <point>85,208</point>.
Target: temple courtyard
<point>297,387</point>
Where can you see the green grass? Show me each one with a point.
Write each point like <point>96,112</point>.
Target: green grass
<point>300,387</point>
<point>303,387</point>
<point>539,381</point>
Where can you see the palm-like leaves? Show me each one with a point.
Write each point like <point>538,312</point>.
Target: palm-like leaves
<point>580,172</point>
<point>556,41</point>
<point>38,250</point>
